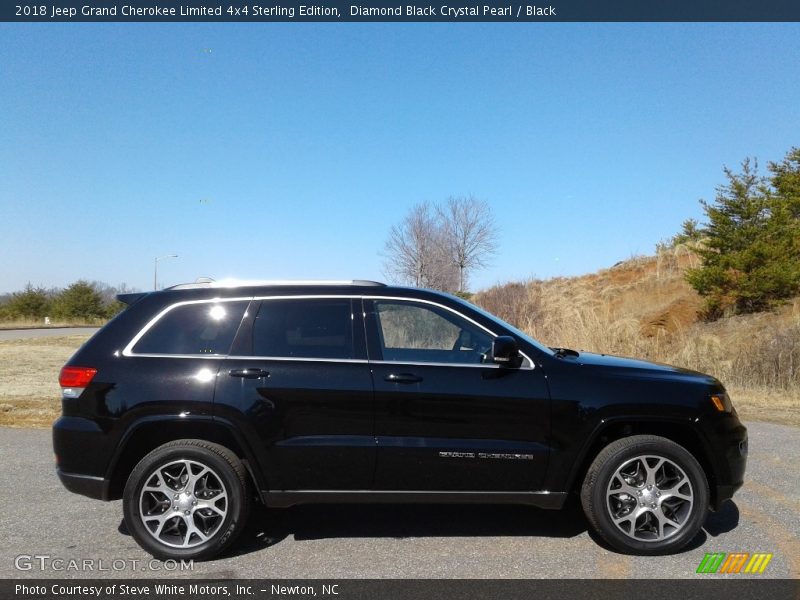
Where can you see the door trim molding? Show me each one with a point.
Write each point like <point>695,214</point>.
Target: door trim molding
<point>286,498</point>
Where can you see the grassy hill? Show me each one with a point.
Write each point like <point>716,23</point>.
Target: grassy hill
<point>643,307</point>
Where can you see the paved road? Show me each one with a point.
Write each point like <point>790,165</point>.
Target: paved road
<point>40,517</point>
<point>20,334</point>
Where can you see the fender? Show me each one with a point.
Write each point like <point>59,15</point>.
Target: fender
<point>196,426</point>
<point>640,423</point>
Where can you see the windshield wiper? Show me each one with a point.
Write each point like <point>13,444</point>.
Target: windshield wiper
<point>562,352</point>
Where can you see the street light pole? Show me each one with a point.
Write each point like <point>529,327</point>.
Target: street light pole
<point>155,268</point>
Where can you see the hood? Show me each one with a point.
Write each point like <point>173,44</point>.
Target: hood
<point>639,368</point>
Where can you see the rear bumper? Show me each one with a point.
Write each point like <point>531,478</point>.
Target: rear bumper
<point>81,449</point>
<point>85,485</point>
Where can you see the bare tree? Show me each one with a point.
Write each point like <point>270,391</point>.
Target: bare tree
<point>441,275</point>
<point>470,235</point>
<point>109,292</point>
<point>414,248</point>
<point>438,246</point>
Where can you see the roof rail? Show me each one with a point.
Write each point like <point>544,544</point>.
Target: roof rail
<point>207,282</point>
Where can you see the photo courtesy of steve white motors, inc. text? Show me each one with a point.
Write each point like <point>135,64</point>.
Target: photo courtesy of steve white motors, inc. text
<point>213,590</point>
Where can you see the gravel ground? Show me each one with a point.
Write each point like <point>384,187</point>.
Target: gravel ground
<point>42,518</point>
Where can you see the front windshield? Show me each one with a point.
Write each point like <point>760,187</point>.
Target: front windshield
<point>499,321</point>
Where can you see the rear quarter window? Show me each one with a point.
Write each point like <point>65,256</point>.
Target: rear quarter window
<point>203,328</point>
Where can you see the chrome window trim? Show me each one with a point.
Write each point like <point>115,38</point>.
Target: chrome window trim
<point>297,358</point>
<point>438,364</point>
<point>127,351</point>
<point>154,355</point>
<point>351,360</point>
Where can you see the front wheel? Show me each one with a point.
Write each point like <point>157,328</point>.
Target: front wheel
<point>645,495</point>
<point>186,500</point>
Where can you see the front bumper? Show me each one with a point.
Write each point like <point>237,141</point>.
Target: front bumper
<point>729,447</point>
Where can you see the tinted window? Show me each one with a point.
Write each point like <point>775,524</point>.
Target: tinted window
<point>304,329</point>
<point>205,328</point>
<point>426,333</point>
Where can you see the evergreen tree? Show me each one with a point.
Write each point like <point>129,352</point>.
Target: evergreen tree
<point>786,181</point>
<point>690,233</point>
<point>31,303</point>
<point>751,243</point>
<point>80,301</point>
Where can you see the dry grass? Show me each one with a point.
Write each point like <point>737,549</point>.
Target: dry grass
<point>766,404</point>
<point>644,308</point>
<point>29,391</point>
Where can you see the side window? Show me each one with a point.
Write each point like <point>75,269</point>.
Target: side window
<point>311,328</point>
<point>203,328</point>
<point>413,332</point>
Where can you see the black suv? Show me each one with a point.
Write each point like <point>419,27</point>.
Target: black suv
<point>196,400</point>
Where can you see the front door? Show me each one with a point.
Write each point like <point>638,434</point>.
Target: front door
<point>445,419</point>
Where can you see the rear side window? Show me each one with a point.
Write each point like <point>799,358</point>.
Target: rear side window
<point>312,328</point>
<point>203,328</point>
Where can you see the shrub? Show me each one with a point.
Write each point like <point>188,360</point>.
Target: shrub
<point>80,301</point>
<point>31,303</point>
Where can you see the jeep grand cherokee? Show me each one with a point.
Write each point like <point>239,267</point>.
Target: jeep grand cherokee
<point>199,399</point>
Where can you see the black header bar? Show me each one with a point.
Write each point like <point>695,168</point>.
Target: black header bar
<point>453,11</point>
<point>700,588</point>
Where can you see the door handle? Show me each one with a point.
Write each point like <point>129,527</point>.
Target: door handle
<point>249,373</point>
<point>402,378</point>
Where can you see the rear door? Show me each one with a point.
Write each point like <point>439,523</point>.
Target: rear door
<point>298,380</point>
<point>171,365</point>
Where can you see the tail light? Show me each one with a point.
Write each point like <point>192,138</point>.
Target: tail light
<point>74,379</point>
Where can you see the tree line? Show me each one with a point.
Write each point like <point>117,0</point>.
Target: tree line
<point>82,301</point>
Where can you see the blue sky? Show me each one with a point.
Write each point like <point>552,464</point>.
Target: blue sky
<point>288,151</point>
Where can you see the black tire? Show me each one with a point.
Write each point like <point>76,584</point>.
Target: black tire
<point>225,474</point>
<point>624,454</point>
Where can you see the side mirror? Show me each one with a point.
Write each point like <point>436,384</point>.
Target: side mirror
<point>505,351</point>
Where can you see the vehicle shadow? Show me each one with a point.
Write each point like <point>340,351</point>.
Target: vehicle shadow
<point>724,520</point>
<point>268,527</point>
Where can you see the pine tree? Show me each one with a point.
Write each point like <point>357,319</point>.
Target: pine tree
<point>31,303</point>
<point>751,245</point>
<point>80,301</point>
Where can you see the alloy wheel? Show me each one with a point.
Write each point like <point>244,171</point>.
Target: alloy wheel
<point>649,498</point>
<point>183,503</point>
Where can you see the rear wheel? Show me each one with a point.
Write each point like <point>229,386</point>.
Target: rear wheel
<point>186,500</point>
<point>645,495</point>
